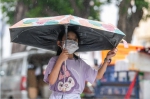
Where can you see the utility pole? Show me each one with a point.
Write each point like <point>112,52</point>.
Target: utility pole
<point>2,28</point>
<point>0,51</point>
<point>1,39</point>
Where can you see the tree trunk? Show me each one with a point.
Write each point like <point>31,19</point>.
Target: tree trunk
<point>85,12</point>
<point>128,22</point>
<point>21,9</point>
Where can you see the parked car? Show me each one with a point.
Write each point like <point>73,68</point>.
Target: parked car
<point>17,72</point>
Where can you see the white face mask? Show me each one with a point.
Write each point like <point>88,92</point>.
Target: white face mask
<point>72,46</point>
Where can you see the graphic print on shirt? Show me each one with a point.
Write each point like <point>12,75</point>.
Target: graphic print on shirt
<point>70,81</point>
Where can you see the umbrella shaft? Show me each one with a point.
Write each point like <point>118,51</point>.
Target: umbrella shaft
<point>66,31</point>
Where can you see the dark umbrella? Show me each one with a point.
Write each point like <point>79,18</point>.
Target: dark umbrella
<point>43,32</point>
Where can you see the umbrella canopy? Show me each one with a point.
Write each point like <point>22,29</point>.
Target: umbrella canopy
<point>43,32</point>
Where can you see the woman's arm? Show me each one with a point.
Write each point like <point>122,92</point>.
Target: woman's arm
<point>55,71</point>
<point>102,70</point>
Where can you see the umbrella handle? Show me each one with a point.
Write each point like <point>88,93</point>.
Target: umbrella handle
<point>65,72</point>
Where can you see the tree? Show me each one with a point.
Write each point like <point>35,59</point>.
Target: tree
<point>16,10</point>
<point>130,17</point>
<point>130,14</point>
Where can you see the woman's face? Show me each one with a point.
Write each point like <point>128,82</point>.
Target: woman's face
<point>70,36</point>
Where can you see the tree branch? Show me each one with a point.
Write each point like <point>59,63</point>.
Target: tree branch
<point>50,12</point>
<point>132,23</point>
<point>86,10</point>
<point>75,7</point>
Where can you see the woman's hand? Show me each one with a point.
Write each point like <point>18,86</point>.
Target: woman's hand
<point>111,53</point>
<point>55,71</point>
<point>64,55</point>
<point>102,70</point>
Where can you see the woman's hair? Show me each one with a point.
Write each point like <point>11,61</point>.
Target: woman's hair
<point>60,36</point>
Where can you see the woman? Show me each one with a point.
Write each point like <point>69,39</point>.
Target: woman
<point>69,82</point>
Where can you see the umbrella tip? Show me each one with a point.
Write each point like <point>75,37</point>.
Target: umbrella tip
<point>125,43</point>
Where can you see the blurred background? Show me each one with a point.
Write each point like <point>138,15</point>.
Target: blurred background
<point>22,67</point>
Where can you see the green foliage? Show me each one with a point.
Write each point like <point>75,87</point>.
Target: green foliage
<point>42,8</point>
<point>138,3</point>
<point>79,4</point>
<point>141,4</point>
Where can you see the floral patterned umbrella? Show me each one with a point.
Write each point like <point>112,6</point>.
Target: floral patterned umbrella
<point>43,32</point>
